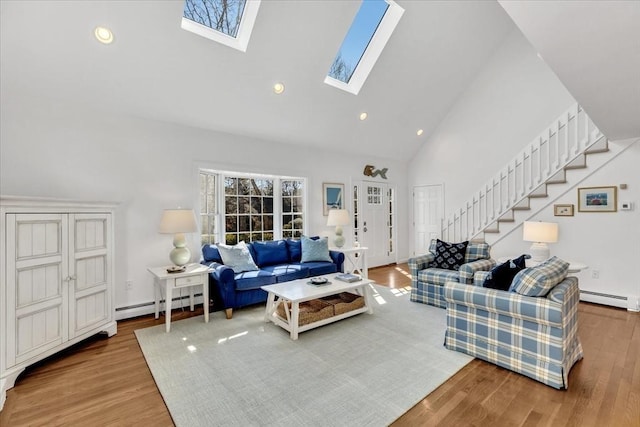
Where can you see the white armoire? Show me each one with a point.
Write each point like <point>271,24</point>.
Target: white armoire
<point>56,279</point>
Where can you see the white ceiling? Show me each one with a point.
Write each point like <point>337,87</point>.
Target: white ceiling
<point>156,70</point>
<point>594,49</point>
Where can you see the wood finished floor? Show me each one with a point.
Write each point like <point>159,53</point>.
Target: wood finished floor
<point>106,382</point>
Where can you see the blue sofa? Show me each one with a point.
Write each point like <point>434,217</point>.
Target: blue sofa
<point>278,261</point>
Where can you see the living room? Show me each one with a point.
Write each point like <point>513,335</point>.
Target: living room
<point>89,122</point>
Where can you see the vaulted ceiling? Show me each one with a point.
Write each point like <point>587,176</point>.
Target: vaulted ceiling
<point>156,70</point>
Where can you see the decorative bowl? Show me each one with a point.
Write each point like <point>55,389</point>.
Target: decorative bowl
<point>318,280</point>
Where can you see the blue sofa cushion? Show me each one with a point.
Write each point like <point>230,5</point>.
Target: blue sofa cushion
<point>286,272</point>
<point>315,250</point>
<point>318,268</point>
<point>254,279</point>
<point>210,253</point>
<point>295,250</point>
<point>237,257</point>
<point>270,253</point>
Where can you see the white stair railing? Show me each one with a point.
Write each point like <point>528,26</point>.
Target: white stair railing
<point>568,137</point>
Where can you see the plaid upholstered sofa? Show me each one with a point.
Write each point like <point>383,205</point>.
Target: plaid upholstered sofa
<point>536,336</point>
<point>427,280</point>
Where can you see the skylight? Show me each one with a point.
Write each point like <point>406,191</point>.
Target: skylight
<point>369,33</point>
<point>229,22</point>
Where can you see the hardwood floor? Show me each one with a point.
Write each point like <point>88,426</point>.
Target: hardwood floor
<point>106,382</point>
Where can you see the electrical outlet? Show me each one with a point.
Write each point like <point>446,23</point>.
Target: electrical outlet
<point>595,274</point>
<point>129,285</point>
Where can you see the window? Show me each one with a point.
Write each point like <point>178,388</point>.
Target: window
<point>229,22</point>
<point>251,207</point>
<point>207,208</point>
<point>356,213</point>
<point>292,208</point>
<point>369,33</point>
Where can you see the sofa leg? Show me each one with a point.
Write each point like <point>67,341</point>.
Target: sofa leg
<point>228,312</point>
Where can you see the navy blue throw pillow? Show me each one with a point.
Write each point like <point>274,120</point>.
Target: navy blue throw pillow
<point>502,275</point>
<point>449,256</point>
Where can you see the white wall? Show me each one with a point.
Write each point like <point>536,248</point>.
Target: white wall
<point>54,150</point>
<point>608,243</point>
<point>511,101</point>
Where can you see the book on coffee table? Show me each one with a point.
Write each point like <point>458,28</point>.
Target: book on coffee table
<point>348,277</point>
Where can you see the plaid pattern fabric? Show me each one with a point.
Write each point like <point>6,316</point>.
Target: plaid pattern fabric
<point>468,270</point>
<point>476,251</point>
<point>479,277</point>
<point>427,284</point>
<point>539,280</point>
<point>536,337</point>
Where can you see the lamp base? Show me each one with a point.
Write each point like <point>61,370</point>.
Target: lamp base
<point>180,256</point>
<point>338,241</point>
<point>539,252</point>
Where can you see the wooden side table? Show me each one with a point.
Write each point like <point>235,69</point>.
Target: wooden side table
<point>194,275</point>
<point>355,260</point>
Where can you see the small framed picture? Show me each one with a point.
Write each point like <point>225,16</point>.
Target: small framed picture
<point>562,210</point>
<point>332,197</point>
<point>597,199</point>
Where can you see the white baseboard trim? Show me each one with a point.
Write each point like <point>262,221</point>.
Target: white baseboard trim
<point>630,303</point>
<point>146,308</point>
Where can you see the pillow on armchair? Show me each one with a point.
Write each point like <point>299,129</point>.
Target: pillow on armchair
<point>539,280</point>
<point>501,276</point>
<point>449,256</point>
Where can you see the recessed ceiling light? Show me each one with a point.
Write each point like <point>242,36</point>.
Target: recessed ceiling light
<point>363,116</point>
<point>103,34</point>
<point>420,132</point>
<point>278,88</point>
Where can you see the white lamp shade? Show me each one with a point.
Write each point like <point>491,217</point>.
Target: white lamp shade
<point>178,221</point>
<point>540,232</point>
<point>338,217</point>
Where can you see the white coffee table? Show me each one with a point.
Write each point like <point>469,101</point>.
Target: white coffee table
<point>297,291</point>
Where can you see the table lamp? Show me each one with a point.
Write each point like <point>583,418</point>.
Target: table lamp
<point>178,222</point>
<point>338,218</point>
<point>540,233</point>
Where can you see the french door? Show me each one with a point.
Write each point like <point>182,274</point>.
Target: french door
<point>376,221</point>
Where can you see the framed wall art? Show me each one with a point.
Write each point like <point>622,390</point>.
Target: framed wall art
<point>332,197</point>
<point>597,199</point>
<point>563,210</point>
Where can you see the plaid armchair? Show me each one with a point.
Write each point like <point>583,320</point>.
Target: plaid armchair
<point>427,283</point>
<point>534,336</point>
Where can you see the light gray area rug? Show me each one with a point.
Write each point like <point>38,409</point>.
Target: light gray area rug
<point>364,370</point>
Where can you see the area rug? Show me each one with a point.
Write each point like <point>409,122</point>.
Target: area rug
<point>365,370</point>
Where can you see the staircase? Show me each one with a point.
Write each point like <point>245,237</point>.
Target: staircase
<point>565,154</point>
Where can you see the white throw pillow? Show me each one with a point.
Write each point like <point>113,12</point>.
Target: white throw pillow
<point>237,257</point>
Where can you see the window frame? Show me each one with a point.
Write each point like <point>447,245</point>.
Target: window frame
<point>373,51</point>
<point>241,40</point>
<point>278,226</point>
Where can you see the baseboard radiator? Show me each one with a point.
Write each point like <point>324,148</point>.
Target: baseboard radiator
<point>142,309</point>
<point>606,299</point>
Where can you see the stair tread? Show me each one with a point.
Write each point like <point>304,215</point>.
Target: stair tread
<point>596,151</point>
<point>575,167</point>
<point>506,220</point>
<point>557,182</point>
<point>521,208</point>
<point>537,196</point>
